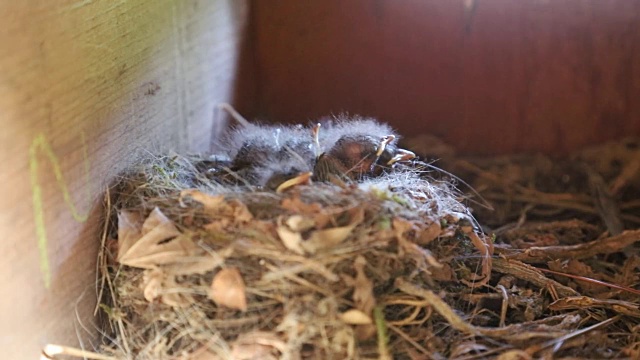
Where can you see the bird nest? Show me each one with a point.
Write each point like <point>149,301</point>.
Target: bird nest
<point>200,271</point>
<point>377,257</point>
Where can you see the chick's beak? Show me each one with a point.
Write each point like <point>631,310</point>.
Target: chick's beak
<point>383,144</point>
<point>402,155</point>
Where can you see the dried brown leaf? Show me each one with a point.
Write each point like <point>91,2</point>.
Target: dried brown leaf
<point>209,202</point>
<point>363,287</point>
<point>258,345</point>
<point>158,285</point>
<point>443,273</point>
<point>218,226</point>
<point>356,317</point>
<point>198,264</point>
<point>466,348</point>
<point>240,211</point>
<point>228,289</point>
<point>159,243</point>
<point>296,205</point>
<point>289,232</point>
<point>430,233</point>
<point>129,229</point>
<point>363,297</point>
<point>401,226</point>
<point>423,257</point>
<point>152,283</point>
<point>328,238</point>
<point>514,355</point>
<point>218,208</point>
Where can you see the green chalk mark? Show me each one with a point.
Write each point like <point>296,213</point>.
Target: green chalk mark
<point>40,143</point>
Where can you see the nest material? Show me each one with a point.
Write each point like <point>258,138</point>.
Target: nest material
<point>205,272</point>
<point>389,268</point>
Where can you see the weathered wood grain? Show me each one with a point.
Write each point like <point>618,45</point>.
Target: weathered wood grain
<point>86,87</point>
<point>489,76</point>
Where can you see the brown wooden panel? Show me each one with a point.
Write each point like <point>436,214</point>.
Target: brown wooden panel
<point>490,76</point>
<point>109,80</point>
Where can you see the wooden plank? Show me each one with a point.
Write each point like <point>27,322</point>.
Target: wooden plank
<point>87,87</point>
<point>489,76</point>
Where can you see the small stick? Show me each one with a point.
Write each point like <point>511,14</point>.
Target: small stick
<point>540,254</point>
<point>51,351</point>
<point>557,343</point>
<point>593,281</point>
<point>626,176</point>
<point>605,204</point>
<point>505,305</point>
<point>428,354</point>
<point>101,264</point>
<point>234,114</point>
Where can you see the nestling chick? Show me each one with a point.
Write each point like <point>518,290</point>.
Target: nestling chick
<point>276,157</point>
<point>358,148</point>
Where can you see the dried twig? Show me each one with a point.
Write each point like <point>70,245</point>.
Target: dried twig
<point>581,251</point>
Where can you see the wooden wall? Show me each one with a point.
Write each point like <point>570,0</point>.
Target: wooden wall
<point>85,88</point>
<point>490,76</point>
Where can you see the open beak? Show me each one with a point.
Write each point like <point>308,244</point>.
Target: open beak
<point>402,155</point>
<point>304,178</point>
